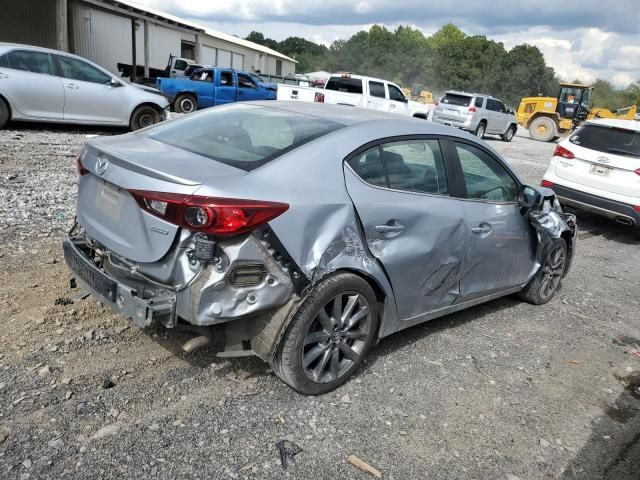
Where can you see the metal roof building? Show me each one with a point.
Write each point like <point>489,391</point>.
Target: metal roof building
<point>109,32</point>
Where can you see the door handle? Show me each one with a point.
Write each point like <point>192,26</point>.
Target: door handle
<point>71,85</point>
<point>482,229</point>
<point>389,228</point>
<point>393,106</point>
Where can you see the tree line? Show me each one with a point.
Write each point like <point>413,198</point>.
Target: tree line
<point>448,59</point>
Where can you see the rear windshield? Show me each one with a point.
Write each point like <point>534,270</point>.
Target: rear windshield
<point>345,84</point>
<point>617,141</point>
<point>458,100</point>
<point>243,136</point>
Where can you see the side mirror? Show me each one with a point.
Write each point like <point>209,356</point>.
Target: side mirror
<point>114,83</point>
<point>530,197</point>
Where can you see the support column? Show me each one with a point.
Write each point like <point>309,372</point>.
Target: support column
<point>134,60</point>
<point>197,49</point>
<point>146,49</point>
<point>62,29</point>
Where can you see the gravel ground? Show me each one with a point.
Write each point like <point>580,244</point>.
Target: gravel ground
<point>505,390</point>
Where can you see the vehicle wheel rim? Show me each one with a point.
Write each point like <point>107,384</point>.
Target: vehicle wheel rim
<point>480,132</point>
<point>337,337</point>
<point>552,272</point>
<point>145,120</point>
<point>542,130</point>
<point>186,105</point>
<point>510,134</point>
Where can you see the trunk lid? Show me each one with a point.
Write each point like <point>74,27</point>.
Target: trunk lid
<point>115,165</point>
<point>606,159</point>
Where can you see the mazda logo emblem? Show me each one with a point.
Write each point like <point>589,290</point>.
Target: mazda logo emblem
<point>101,165</point>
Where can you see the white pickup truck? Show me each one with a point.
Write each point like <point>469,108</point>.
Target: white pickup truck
<point>357,91</point>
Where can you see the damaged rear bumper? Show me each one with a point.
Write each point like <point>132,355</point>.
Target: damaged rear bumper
<point>141,305</point>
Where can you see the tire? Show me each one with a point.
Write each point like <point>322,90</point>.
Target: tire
<point>480,129</point>
<point>185,103</point>
<point>543,129</point>
<point>143,116</point>
<point>509,134</point>
<point>548,279</point>
<point>317,354</point>
<point>4,114</point>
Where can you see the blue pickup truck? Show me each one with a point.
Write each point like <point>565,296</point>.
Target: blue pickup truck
<point>211,86</point>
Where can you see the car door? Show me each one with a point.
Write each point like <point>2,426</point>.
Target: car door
<point>397,101</point>
<point>502,118</point>
<point>28,79</point>
<point>493,119</point>
<point>377,96</point>
<point>502,242</point>
<point>225,87</point>
<point>90,96</point>
<point>412,226</point>
<point>247,88</point>
<point>203,87</point>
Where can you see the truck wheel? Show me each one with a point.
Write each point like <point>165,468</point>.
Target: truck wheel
<point>4,113</point>
<point>480,129</point>
<point>185,103</point>
<point>543,129</point>
<point>509,134</point>
<point>143,116</point>
<point>329,335</point>
<point>548,279</point>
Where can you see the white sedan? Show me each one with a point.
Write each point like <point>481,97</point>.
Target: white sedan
<point>597,169</point>
<point>39,84</point>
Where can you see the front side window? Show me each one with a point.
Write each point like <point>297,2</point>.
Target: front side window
<point>484,177</point>
<point>180,65</point>
<point>376,89</point>
<point>226,79</point>
<point>240,135</point>
<point>4,61</point>
<point>245,81</point>
<point>30,61</point>
<point>500,107</point>
<point>395,93</point>
<point>75,69</point>
<point>491,105</point>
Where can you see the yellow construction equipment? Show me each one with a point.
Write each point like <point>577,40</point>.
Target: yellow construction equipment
<point>417,94</point>
<point>548,118</point>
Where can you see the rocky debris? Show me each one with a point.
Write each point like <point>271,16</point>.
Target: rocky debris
<point>112,429</point>
<point>44,371</point>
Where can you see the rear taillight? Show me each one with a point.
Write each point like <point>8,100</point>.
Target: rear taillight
<point>637,208</point>
<point>637,172</point>
<point>563,152</point>
<point>80,167</point>
<point>546,183</point>
<point>437,103</point>
<point>216,216</point>
<point>472,110</point>
<point>318,97</point>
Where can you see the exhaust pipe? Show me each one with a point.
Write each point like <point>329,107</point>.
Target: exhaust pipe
<point>203,339</point>
<point>625,221</point>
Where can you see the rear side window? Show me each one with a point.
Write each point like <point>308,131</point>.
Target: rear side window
<point>181,65</point>
<point>368,166</point>
<point>376,89</point>
<point>617,141</point>
<point>478,102</point>
<point>4,61</point>
<point>457,100</point>
<point>242,136</point>
<point>226,79</point>
<point>78,70</point>
<point>30,61</point>
<point>345,84</point>
<point>203,76</point>
<point>484,177</point>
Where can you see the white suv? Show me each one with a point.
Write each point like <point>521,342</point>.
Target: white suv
<point>598,169</point>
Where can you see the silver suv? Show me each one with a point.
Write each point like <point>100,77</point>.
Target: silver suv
<point>479,114</point>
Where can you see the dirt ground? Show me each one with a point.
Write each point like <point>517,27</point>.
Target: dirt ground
<point>505,390</point>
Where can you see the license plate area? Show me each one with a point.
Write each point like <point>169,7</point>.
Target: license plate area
<point>599,170</point>
<point>89,274</point>
<point>109,200</point>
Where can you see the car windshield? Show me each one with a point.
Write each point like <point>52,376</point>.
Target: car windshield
<point>457,100</point>
<point>242,136</point>
<point>618,141</point>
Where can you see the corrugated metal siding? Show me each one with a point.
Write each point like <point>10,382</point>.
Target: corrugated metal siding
<point>237,61</point>
<point>208,55</point>
<point>224,58</point>
<point>162,42</point>
<point>32,22</point>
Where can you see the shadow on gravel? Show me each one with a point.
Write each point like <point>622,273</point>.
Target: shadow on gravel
<point>613,449</point>
<point>591,225</point>
<point>17,127</point>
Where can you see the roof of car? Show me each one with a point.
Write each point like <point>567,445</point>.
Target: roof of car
<point>345,114</point>
<point>471,94</point>
<point>616,123</point>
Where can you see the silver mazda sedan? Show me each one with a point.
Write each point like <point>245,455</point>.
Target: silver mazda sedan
<point>304,233</point>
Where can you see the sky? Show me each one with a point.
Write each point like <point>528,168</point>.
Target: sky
<point>580,39</point>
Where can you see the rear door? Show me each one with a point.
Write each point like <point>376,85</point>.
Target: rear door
<point>202,83</point>
<point>493,121</point>
<point>412,225</point>
<point>501,242</point>
<point>377,96</point>
<point>89,95</point>
<point>28,78</point>
<point>605,157</point>
<point>225,90</point>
